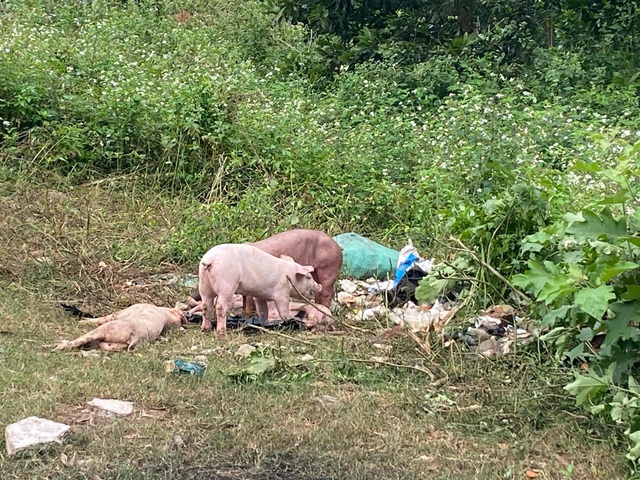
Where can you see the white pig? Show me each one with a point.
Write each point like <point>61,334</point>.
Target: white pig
<point>242,268</point>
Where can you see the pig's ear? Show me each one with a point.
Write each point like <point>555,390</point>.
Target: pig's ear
<point>287,258</point>
<point>304,270</point>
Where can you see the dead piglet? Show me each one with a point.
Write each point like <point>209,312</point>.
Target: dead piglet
<point>126,328</point>
<point>242,268</point>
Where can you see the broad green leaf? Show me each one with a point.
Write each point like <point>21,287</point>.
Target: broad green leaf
<point>587,388</point>
<point>617,411</point>
<point>573,217</point>
<point>574,257</point>
<point>621,196</point>
<point>547,281</point>
<point>634,451</point>
<point>610,271</point>
<point>575,352</point>
<point>532,247</point>
<point>431,288</point>
<point>594,227</point>
<point>632,293</point>
<point>633,385</point>
<point>556,314</point>
<point>558,286</point>
<point>602,248</point>
<point>615,175</point>
<point>554,334</point>
<point>260,365</point>
<point>587,167</point>
<point>619,327</point>
<point>535,241</point>
<point>632,240</point>
<point>585,335</point>
<point>595,301</point>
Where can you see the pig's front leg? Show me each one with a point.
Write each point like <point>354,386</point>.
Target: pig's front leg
<point>99,320</point>
<point>282,306</point>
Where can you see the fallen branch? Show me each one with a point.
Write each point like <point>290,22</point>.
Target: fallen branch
<point>390,332</point>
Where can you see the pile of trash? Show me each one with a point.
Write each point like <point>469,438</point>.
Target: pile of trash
<point>495,333</point>
<point>392,298</point>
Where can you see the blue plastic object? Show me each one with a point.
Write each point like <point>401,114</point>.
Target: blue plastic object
<point>402,269</point>
<point>192,368</point>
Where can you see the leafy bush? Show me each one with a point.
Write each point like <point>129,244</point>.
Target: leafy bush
<point>584,272</point>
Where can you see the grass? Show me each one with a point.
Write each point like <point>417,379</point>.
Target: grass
<point>332,417</point>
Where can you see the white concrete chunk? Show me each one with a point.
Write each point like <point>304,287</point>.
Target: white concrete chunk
<point>33,431</point>
<point>113,406</point>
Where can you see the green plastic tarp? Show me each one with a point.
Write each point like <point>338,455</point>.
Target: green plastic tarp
<point>363,258</point>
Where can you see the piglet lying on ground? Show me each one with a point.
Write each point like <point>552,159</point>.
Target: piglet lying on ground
<point>241,268</point>
<point>126,328</point>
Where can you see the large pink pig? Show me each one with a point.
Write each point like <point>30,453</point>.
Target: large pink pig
<point>307,247</point>
<point>242,268</point>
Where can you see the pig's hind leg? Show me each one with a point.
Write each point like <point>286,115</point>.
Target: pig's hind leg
<point>206,307</point>
<point>224,303</point>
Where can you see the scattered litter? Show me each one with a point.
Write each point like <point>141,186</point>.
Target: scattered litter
<point>180,366</point>
<point>496,332</point>
<point>244,350</point>
<point>422,319</point>
<point>178,442</point>
<point>425,458</point>
<point>345,298</point>
<point>186,281</point>
<point>200,359</point>
<point>378,287</point>
<point>370,313</point>
<point>378,359</point>
<point>306,357</point>
<point>384,348</point>
<point>325,400</point>
<point>348,286</point>
<point>33,431</point>
<point>73,310</point>
<point>117,407</point>
<point>68,461</point>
